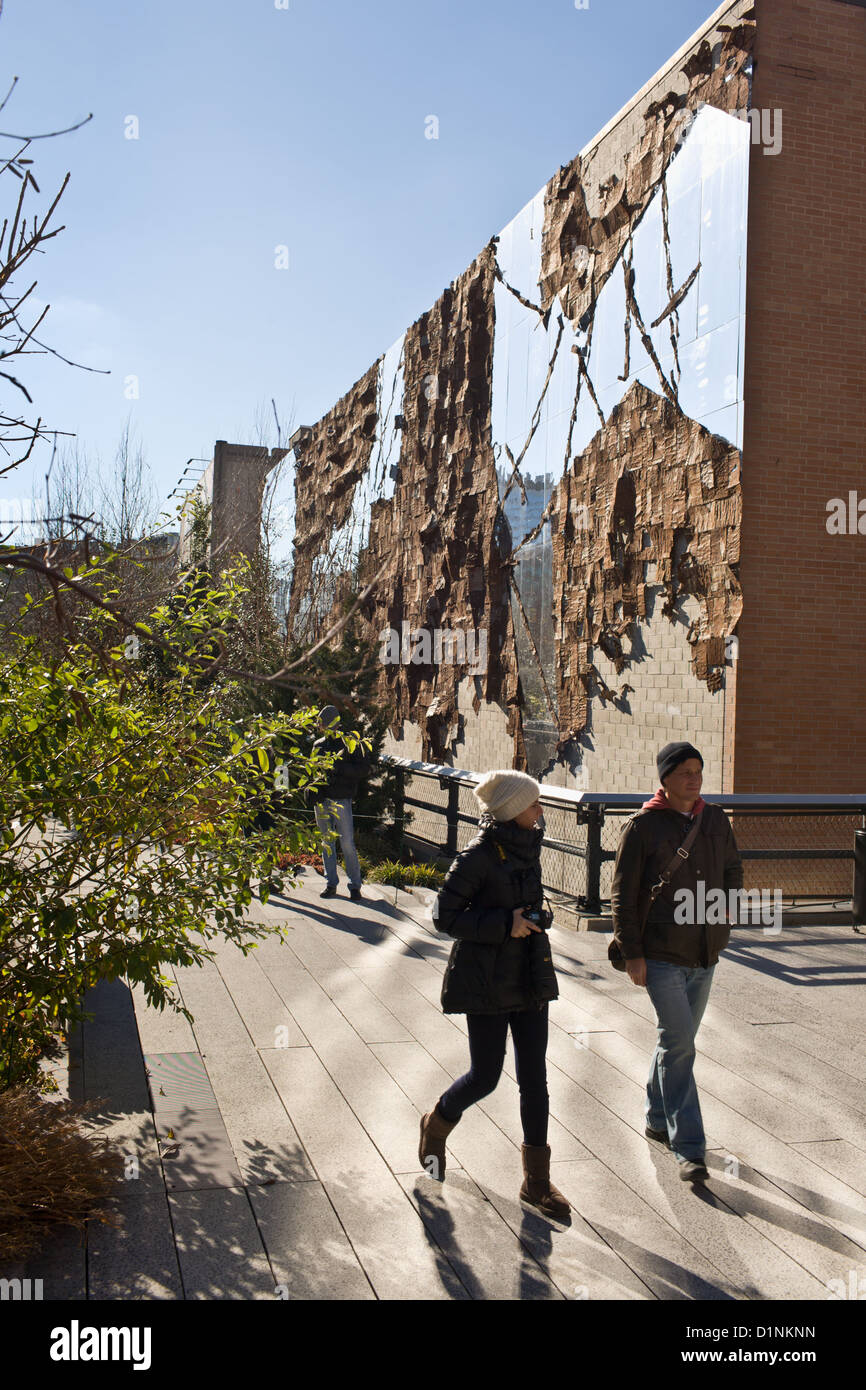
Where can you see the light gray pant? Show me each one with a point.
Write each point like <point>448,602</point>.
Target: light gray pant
<point>336,816</point>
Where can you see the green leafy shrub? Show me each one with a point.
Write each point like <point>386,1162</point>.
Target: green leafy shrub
<point>137,818</point>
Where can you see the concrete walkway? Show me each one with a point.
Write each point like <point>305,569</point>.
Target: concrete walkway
<point>273,1146</point>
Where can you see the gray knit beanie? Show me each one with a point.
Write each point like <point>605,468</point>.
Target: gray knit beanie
<point>328,714</point>
<point>506,794</point>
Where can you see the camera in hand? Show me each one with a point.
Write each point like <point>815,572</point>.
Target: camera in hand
<point>539,915</point>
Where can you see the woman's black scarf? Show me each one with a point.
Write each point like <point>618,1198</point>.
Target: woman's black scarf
<point>522,844</point>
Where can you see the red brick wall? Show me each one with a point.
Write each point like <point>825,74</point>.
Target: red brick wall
<point>801,675</point>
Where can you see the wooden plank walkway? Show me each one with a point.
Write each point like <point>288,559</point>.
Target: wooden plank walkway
<point>295,1097</point>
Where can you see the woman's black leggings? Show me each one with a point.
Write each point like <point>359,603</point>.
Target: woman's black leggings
<point>488,1034</point>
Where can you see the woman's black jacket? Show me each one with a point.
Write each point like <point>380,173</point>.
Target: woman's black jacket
<point>489,971</point>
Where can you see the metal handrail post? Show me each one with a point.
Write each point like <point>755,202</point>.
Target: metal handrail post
<point>858,895</point>
<point>594,822</point>
<point>453,789</point>
<point>400,805</point>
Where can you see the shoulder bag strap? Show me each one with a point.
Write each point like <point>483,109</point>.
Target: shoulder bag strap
<point>678,860</point>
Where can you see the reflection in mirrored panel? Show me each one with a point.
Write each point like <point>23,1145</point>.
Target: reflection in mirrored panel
<point>519,250</point>
<point>378,481</point>
<point>691,234</point>
<point>684,250</point>
<point>711,377</point>
<point>385,457</point>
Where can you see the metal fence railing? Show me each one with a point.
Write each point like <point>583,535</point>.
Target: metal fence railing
<point>808,847</point>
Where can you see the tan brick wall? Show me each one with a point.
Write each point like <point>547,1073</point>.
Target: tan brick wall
<point>668,702</point>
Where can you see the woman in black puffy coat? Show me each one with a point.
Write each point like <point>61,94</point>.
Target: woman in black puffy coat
<point>500,974</point>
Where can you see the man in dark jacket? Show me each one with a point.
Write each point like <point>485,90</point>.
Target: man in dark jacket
<point>334,809</point>
<point>500,974</point>
<point>675,954</point>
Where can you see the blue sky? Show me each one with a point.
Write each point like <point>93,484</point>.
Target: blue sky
<point>262,127</point>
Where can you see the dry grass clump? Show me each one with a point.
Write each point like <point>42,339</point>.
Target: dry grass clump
<point>51,1173</point>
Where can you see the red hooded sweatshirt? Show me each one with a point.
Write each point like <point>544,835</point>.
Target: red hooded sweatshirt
<point>660,803</point>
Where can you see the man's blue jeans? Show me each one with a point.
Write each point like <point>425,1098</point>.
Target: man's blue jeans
<point>679,997</point>
<point>337,816</point>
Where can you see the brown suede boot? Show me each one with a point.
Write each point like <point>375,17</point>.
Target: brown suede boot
<point>537,1188</point>
<point>431,1150</point>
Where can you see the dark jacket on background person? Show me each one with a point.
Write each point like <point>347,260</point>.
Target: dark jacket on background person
<point>347,772</point>
<point>648,843</point>
<point>489,971</point>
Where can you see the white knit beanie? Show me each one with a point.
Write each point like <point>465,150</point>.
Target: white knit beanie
<point>506,794</point>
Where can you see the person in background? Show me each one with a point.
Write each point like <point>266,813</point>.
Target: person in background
<point>333,811</point>
<point>500,974</point>
<point>676,953</point>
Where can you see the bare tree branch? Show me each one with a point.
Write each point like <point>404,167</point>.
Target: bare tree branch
<point>48,134</point>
